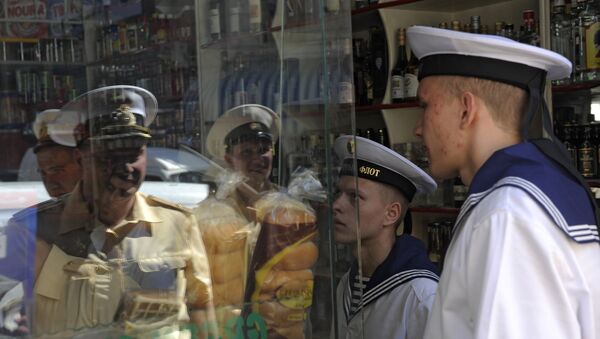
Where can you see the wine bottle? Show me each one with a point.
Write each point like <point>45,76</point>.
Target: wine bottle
<point>379,73</point>
<point>399,70</point>
<point>215,19</point>
<point>411,78</point>
<point>345,86</point>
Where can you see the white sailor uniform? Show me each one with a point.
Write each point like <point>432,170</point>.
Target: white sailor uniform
<point>395,301</point>
<point>523,261</point>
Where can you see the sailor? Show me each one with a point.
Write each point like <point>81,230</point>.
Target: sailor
<point>55,152</point>
<point>389,290</point>
<point>524,256</point>
<point>243,139</point>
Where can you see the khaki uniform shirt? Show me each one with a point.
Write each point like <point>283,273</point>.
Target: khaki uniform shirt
<point>161,239</point>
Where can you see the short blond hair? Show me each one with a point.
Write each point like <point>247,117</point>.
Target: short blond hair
<point>506,103</point>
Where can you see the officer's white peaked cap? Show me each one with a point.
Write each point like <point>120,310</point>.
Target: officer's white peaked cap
<point>239,116</point>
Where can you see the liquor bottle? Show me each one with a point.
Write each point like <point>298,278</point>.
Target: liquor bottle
<point>240,94</point>
<point>359,70</point>
<point>586,154</point>
<point>382,137</point>
<point>368,80</point>
<point>255,15</point>
<point>529,35</point>
<point>411,78</point>
<point>475,24</point>
<point>379,62</point>
<point>215,20</point>
<point>460,192</point>
<point>588,26</point>
<point>560,30</point>
<point>234,17</point>
<point>569,144</point>
<point>370,134</point>
<point>345,86</point>
<point>399,70</point>
<point>455,25</point>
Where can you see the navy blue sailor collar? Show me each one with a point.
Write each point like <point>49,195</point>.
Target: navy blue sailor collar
<point>523,165</point>
<point>406,261</point>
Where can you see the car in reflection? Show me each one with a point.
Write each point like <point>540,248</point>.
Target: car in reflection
<point>177,175</point>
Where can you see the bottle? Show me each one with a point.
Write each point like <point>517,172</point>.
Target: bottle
<point>379,62</point>
<point>370,134</point>
<point>588,25</point>
<point>586,154</point>
<point>475,24</point>
<point>215,20</point>
<point>529,35</point>
<point>256,16</point>
<point>411,78</point>
<point>234,16</point>
<point>460,192</point>
<point>359,70</point>
<point>368,82</point>
<point>240,94</point>
<point>560,33</point>
<point>399,70</point>
<point>382,137</point>
<point>569,144</point>
<point>345,86</point>
<point>187,27</point>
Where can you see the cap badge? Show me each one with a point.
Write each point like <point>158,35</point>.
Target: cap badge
<point>351,146</point>
<point>254,126</point>
<point>124,115</point>
<point>43,133</point>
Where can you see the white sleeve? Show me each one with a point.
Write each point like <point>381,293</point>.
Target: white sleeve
<point>517,278</point>
<point>418,306</point>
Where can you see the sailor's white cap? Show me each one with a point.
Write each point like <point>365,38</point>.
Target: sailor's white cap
<point>379,163</point>
<point>447,52</point>
<point>50,131</point>
<point>254,119</point>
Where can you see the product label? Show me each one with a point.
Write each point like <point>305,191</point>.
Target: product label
<point>234,20</point>
<point>592,46</point>
<point>255,12</point>
<point>586,162</point>
<point>411,83</point>
<point>296,294</point>
<point>26,9</point>
<point>345,92</point>
<point>398,90</point>
<point>214,21</point>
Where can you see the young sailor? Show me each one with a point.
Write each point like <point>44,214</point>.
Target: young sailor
<point>389,290</point>
<point>523,260</point>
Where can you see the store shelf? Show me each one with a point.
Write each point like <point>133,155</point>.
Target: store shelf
<point>376,6</point>
<point>41,64</point>
<point>428,5</point>
<point>48,21</point>
<point>593,182</point>
<point>371,108</point>
<point>575,87</point>
<point>435,210</point>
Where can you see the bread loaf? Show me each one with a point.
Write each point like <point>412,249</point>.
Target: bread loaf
<point>280,279</point>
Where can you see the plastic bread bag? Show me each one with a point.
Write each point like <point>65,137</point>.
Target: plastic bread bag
<point>280,280</point>
<point>225,232</point>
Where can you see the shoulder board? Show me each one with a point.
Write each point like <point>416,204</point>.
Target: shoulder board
<point>154,200</point>
<point>40,207</point>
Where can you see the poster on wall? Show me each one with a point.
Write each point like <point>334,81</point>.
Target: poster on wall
<point>23,12</point>
<point>59,13</point>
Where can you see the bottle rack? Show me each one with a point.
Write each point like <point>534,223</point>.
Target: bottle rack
<point>144,48</point>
